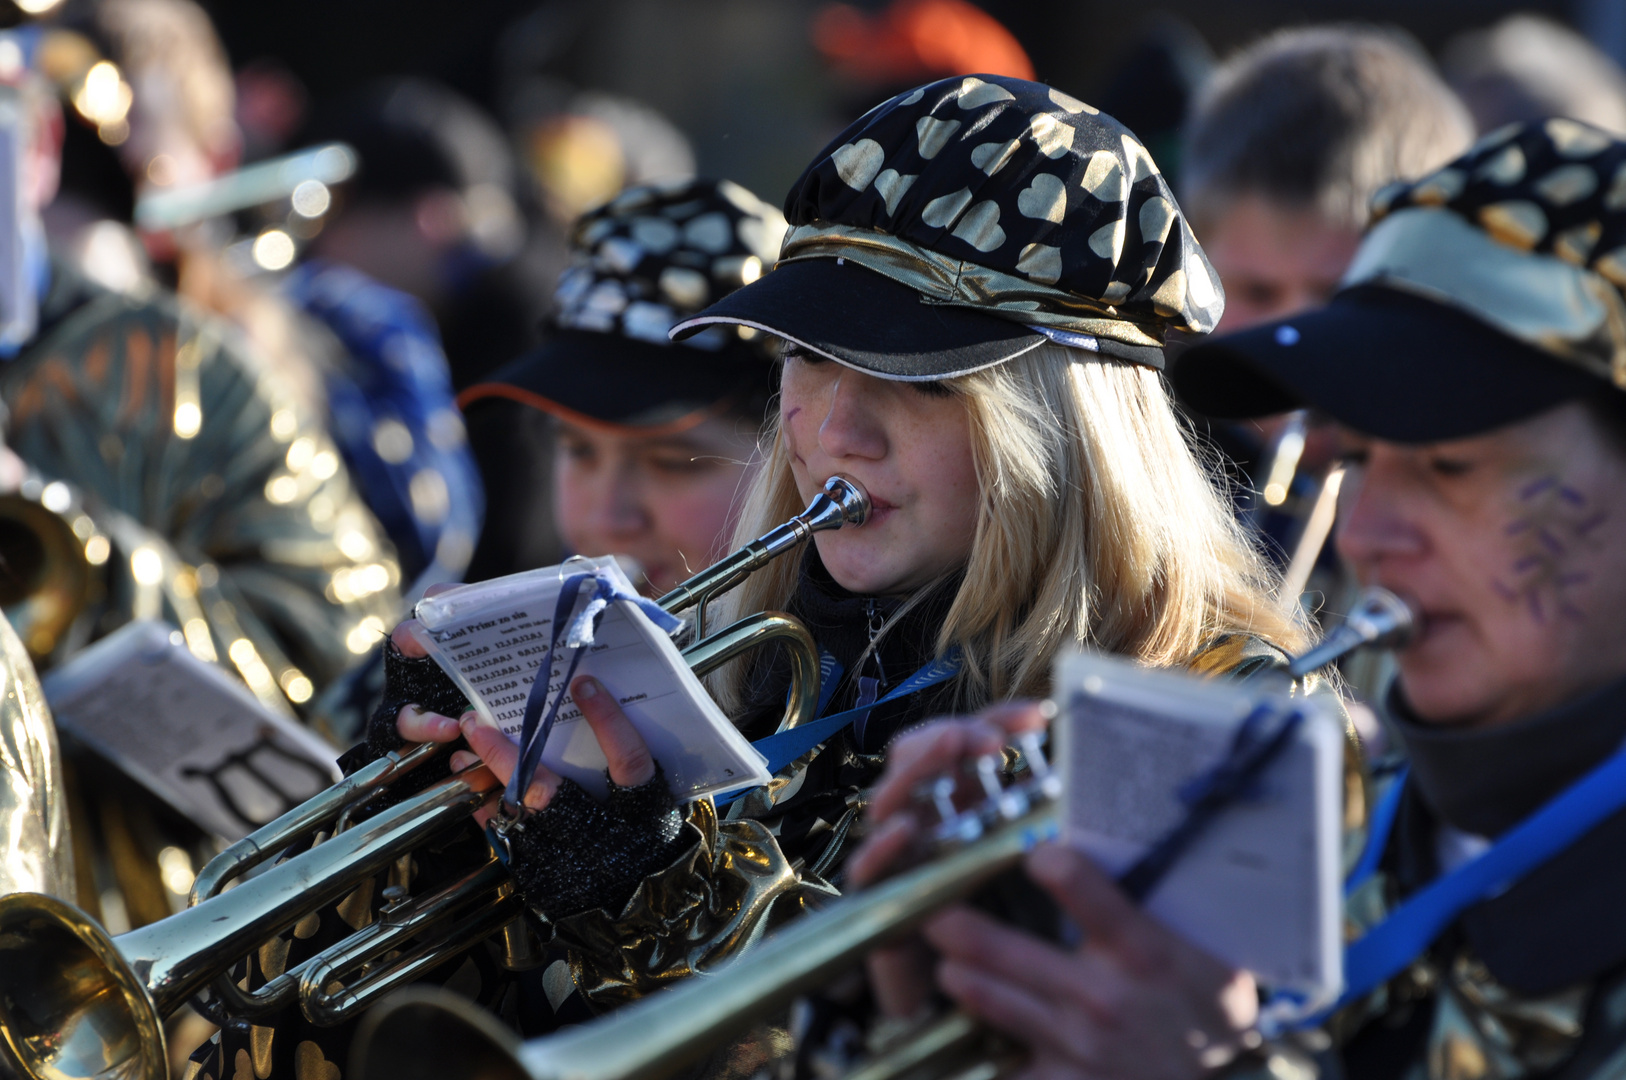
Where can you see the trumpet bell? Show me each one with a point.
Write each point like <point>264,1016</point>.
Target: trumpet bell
<point>441,1035</point>
<point>70,1006</point>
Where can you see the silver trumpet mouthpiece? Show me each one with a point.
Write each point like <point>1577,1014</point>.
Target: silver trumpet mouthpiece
<point>1379,620</point>
<point>842,502</point>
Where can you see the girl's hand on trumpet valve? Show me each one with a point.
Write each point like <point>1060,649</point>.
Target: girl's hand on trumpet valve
<point>1132,999</point>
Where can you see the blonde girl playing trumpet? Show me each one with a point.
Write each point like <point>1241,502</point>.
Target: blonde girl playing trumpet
<point>972,298</point>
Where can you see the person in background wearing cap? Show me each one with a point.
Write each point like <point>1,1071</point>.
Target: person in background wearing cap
<point>652,438</point>
<point>1287,142</point>
<point>972,299</point>
<point>654,444</point>
<point>1474,361</point>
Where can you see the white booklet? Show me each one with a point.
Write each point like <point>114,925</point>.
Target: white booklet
<point>1260,888</point>
<point>493,636</point>
<point>187,730</point>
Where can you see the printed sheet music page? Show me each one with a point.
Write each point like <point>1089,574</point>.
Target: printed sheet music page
<point>492,637</point>
<point>1260,888</point>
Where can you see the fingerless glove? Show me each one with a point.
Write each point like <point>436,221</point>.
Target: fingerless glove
<point>578,854</point>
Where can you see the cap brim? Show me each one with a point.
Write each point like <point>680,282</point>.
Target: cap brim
<point>851,314</point>
<point>611,380</point>
<point>1388,364</point>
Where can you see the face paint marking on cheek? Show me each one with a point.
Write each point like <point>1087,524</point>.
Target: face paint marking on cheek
<point>792,414</point>
<point>1554,519</point>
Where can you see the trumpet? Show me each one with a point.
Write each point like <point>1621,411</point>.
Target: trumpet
<point>76,1004</point>
<point>423,1034</point>
<point>430,1034</point>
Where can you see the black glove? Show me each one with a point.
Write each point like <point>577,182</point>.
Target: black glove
<point>578,854</point>
<point>407,681</point>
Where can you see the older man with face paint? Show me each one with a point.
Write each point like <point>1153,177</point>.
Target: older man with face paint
<point>1475,362</point>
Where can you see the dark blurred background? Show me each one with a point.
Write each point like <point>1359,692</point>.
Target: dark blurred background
<point>742,77</point>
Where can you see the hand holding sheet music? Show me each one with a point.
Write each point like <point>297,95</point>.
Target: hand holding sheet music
<point>493,637</point>
<point>1202,832</point>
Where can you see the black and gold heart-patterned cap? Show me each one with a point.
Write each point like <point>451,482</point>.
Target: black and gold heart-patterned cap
<point>967,221</point>
<point>640,263</point>
<point>1481,294</point>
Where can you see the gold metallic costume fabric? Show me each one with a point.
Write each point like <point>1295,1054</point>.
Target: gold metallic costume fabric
<point>960,283</point>
<point>729,887</point>
<point>36,854</point>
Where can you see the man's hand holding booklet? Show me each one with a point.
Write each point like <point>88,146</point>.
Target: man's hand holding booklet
<point>1259,884</point>
<point>492,637</point>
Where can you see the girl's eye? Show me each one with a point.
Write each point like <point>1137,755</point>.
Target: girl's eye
<point>934,389</point>
<point>680,464</point>
<point>801,355</point>
<point>1450,466</point>
<point>1353,457</point>
<point>576,451</point>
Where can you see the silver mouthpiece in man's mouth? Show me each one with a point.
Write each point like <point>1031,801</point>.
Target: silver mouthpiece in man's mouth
<point>1380,620</point>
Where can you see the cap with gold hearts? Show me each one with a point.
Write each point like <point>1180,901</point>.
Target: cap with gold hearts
<point>969,221</point>
<point>1482,294</point>
<point>648,257</point>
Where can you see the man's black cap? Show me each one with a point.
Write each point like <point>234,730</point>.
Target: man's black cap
<point>605,380</point>
<point>1384,362</point>
<point>1482,294</point>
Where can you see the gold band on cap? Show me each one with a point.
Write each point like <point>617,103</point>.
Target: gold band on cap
<point>958,283</point>
<point>1564,310</point>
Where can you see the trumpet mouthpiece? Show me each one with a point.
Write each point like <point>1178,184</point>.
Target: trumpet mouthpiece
<point>850,497</point>
<point>842,502</point>
<point>1379,620</point>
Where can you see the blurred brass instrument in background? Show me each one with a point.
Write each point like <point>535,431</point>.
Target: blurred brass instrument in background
<point>51,553</point>
<point>76,1003</point>
<point>428,1034</point>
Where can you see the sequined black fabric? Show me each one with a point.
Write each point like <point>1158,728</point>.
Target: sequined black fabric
<point>579,854</point>
<point>407,681</point>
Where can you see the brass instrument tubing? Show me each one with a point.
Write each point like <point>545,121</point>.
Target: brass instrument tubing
<point>660,1034</point>
<point>271,840</point>
<point>178,955</point>
<point>499,905</point>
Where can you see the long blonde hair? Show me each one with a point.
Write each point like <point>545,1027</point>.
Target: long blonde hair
<point>1097,528</point>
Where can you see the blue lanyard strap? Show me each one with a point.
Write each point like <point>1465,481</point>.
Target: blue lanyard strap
<point>1377,832</point>
<point>542,703</point>
<point>1388,948</point>
<point>787,746</point>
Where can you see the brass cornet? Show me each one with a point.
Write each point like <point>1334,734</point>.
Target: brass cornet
<point>431,1034</point>
<point>76,1004</point>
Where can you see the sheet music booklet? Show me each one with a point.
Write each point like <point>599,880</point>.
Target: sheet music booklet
<point>187,730</point>
<point>1261,888</point>
<point>492,636</point>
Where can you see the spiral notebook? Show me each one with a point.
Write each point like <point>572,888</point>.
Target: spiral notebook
<point>492,637</point>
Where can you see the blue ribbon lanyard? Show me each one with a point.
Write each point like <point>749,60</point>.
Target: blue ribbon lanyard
<point>542,703</point>
<point>1377,833</point>
<point>787,746</point>
<point>1391,946</point>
